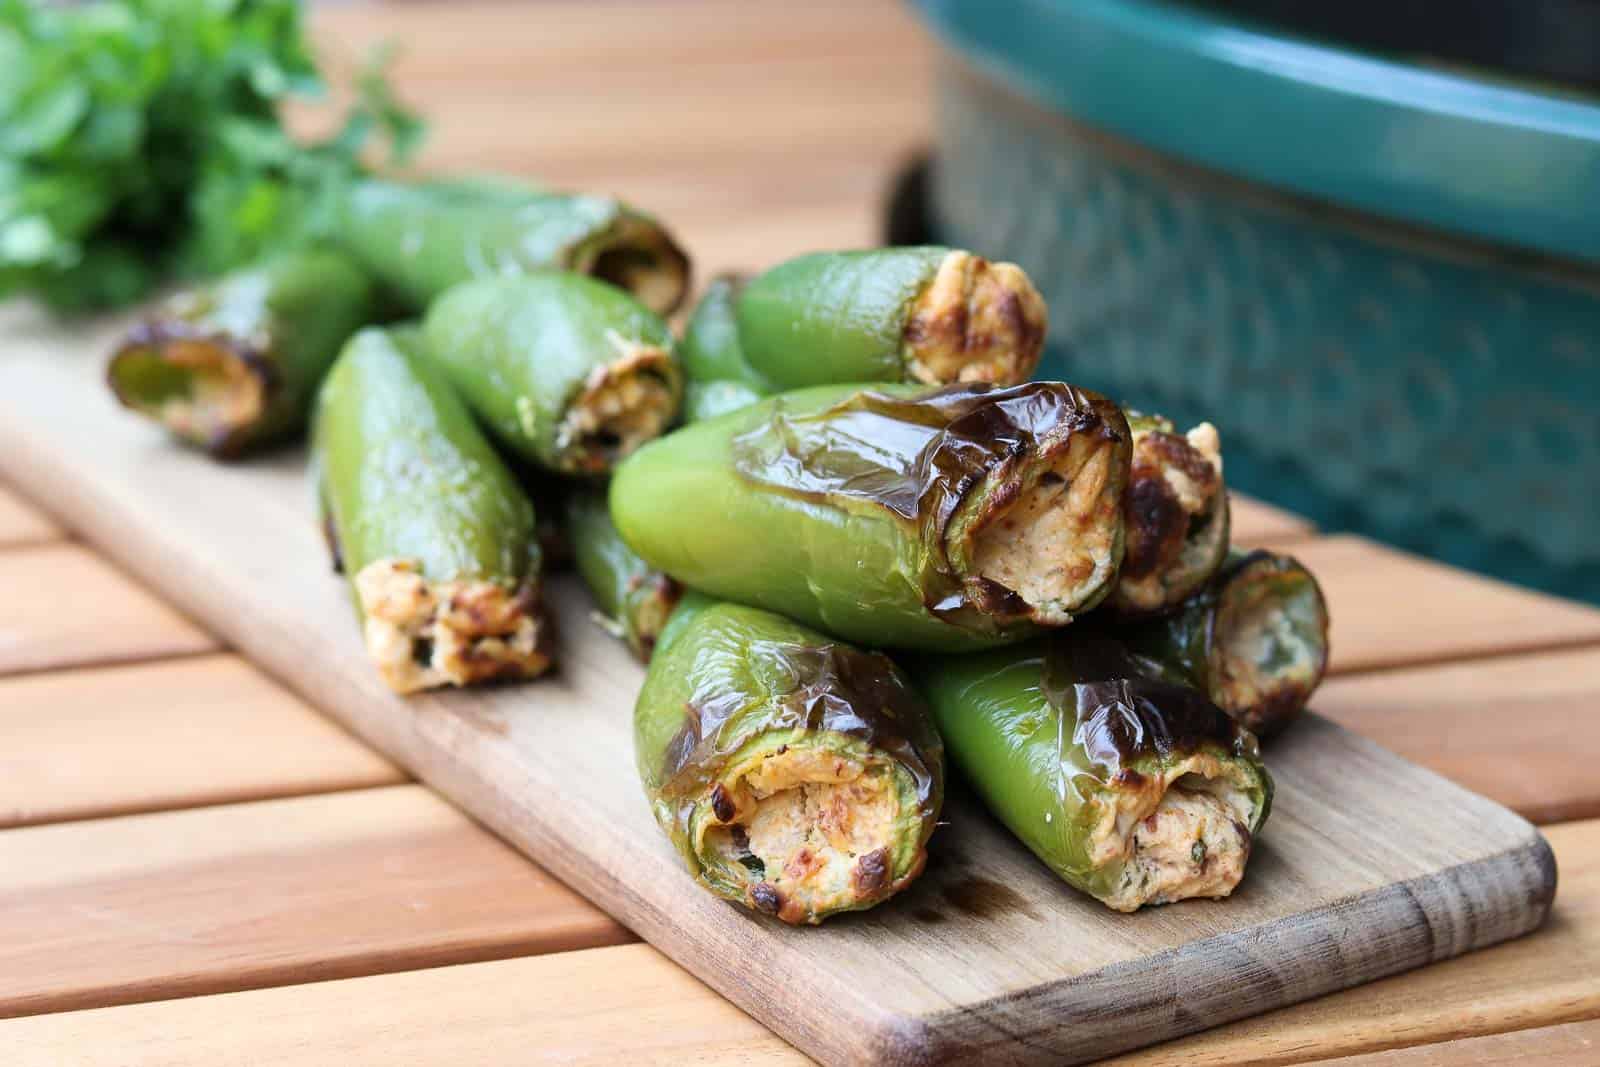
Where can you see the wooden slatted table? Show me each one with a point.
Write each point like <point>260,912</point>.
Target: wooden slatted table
<point>197,868</point>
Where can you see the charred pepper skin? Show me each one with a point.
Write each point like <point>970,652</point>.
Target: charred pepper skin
<point>1077,753</point>
<point>235,365</point>
<point>795,775</point>
<point>566,372</point>
<point>634,599</point>
<point>421,239</point>
<point>911,314</point>
<point>433,531</point>
<point>1254,639</point>
<point>1176,511</point>
<point>913,541</point>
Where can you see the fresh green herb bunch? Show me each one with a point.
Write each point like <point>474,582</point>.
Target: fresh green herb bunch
<point>140,140</point>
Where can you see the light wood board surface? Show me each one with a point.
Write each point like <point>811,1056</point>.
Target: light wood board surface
<point>174,733</point>
<point>21,524</point>
<point>1522,729</point>
<point>1346,885</point>
<point>1568,1045</point>
<point>178,903</point>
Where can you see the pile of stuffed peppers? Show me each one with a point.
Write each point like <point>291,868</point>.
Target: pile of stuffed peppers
<point>835,516</point>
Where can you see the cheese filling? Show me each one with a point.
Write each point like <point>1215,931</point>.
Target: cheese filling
<point>422,634</point>
<point>198,389</point>
<point>1269,646</point>
<point>975,322</point>
<point>1175,511</point>
<point>1055,545</point>
<point>637,256</point>
<point>622,405</point>
<point>805,831</point>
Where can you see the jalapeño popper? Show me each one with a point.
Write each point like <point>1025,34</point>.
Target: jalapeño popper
<point>433,531</point>
<point>951,518</point>
<point>794,774</point>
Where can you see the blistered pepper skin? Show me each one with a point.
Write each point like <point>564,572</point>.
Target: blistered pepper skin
<point>1049,733</point>
<point>729,685</point>
<point>838,506</point>
<point>1254,639</point>
<point>409,486</point>
<point>635,599</point>
<point>421,239</point>
<point>532,354</point>
<point>910,314</point>
<point>279,324</point>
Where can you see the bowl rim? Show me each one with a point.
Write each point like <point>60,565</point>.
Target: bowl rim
<point>1507,162</point>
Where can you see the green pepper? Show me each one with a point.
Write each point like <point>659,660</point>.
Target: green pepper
<point>634,599</point>
<point>236,364</point>
<point>434,532</point>
<point>1131,789</point>
<point>1255,639</point>
<point>565,371</point>
<point>919,314</point>
<point>795,775</point>
<point>950,518</point>
<point>719,378</point>
<point>1176,512</point>
<point>422,239</point>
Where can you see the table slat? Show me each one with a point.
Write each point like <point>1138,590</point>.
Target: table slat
<point>168,734</point>
<point>1255,522</point>
<point>1393,609</point>
<point>22,524</point>
<point>1523,730</point>
<point>67,607</point>
<point>175,904</point>
<point>628,1004</point>
<point>1568,1045</point>
<point>632,1005</point>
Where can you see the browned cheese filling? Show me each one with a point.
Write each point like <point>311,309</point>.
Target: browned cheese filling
<point>809,832</point>
<point>1183,835</point>
<point>622,405</point>
<point>1055,544</point>
<point>1173,506</point>
<point>637,256</point>
<point>422,634</point>
<point>975,322</point>
<point>1268,652</point>
<point>221,393</point>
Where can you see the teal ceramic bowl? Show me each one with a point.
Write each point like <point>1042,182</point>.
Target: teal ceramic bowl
<point>1381,281</point>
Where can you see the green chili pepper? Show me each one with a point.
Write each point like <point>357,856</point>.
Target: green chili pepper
<point>634,599</point>
<point>433,530</point>
<point>567,372</point>
<point>1176,512</point>
<point>796,775</point>
<point>921,314</point>
<point>719,378</point>
<point>1134,790</point>
<point>422,239</point>
<point>1255,639</point>
<point>951,518</point>
<point>236,365</point>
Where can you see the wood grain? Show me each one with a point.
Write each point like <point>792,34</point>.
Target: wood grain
<point>1540,980</point>
<point>627,1004</point>
<point>1522,730</point>
<point>1393,609</point>
<point>21,524</point>
<point>1344,887</point>
<point>561,1004</point>
<point>145,907</point>
<point>65,606</point>
<point>174,733</point>
<point>1253,522</point>
<point>1568,1045</point>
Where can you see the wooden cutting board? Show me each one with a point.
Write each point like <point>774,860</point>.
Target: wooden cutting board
<point>1368,866</point>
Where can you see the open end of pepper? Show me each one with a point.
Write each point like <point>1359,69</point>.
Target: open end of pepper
<point>622,405</point>
<point>1270,643</point>
<point>803,831</point>
<point>638,255</point>
<point>424,634</point>
<point>975,322</point>
<point>1176,514</point>
<point>210,390</point>
<point>649,604</point>
<point>1050,533</point>
<point>1179,834</point>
